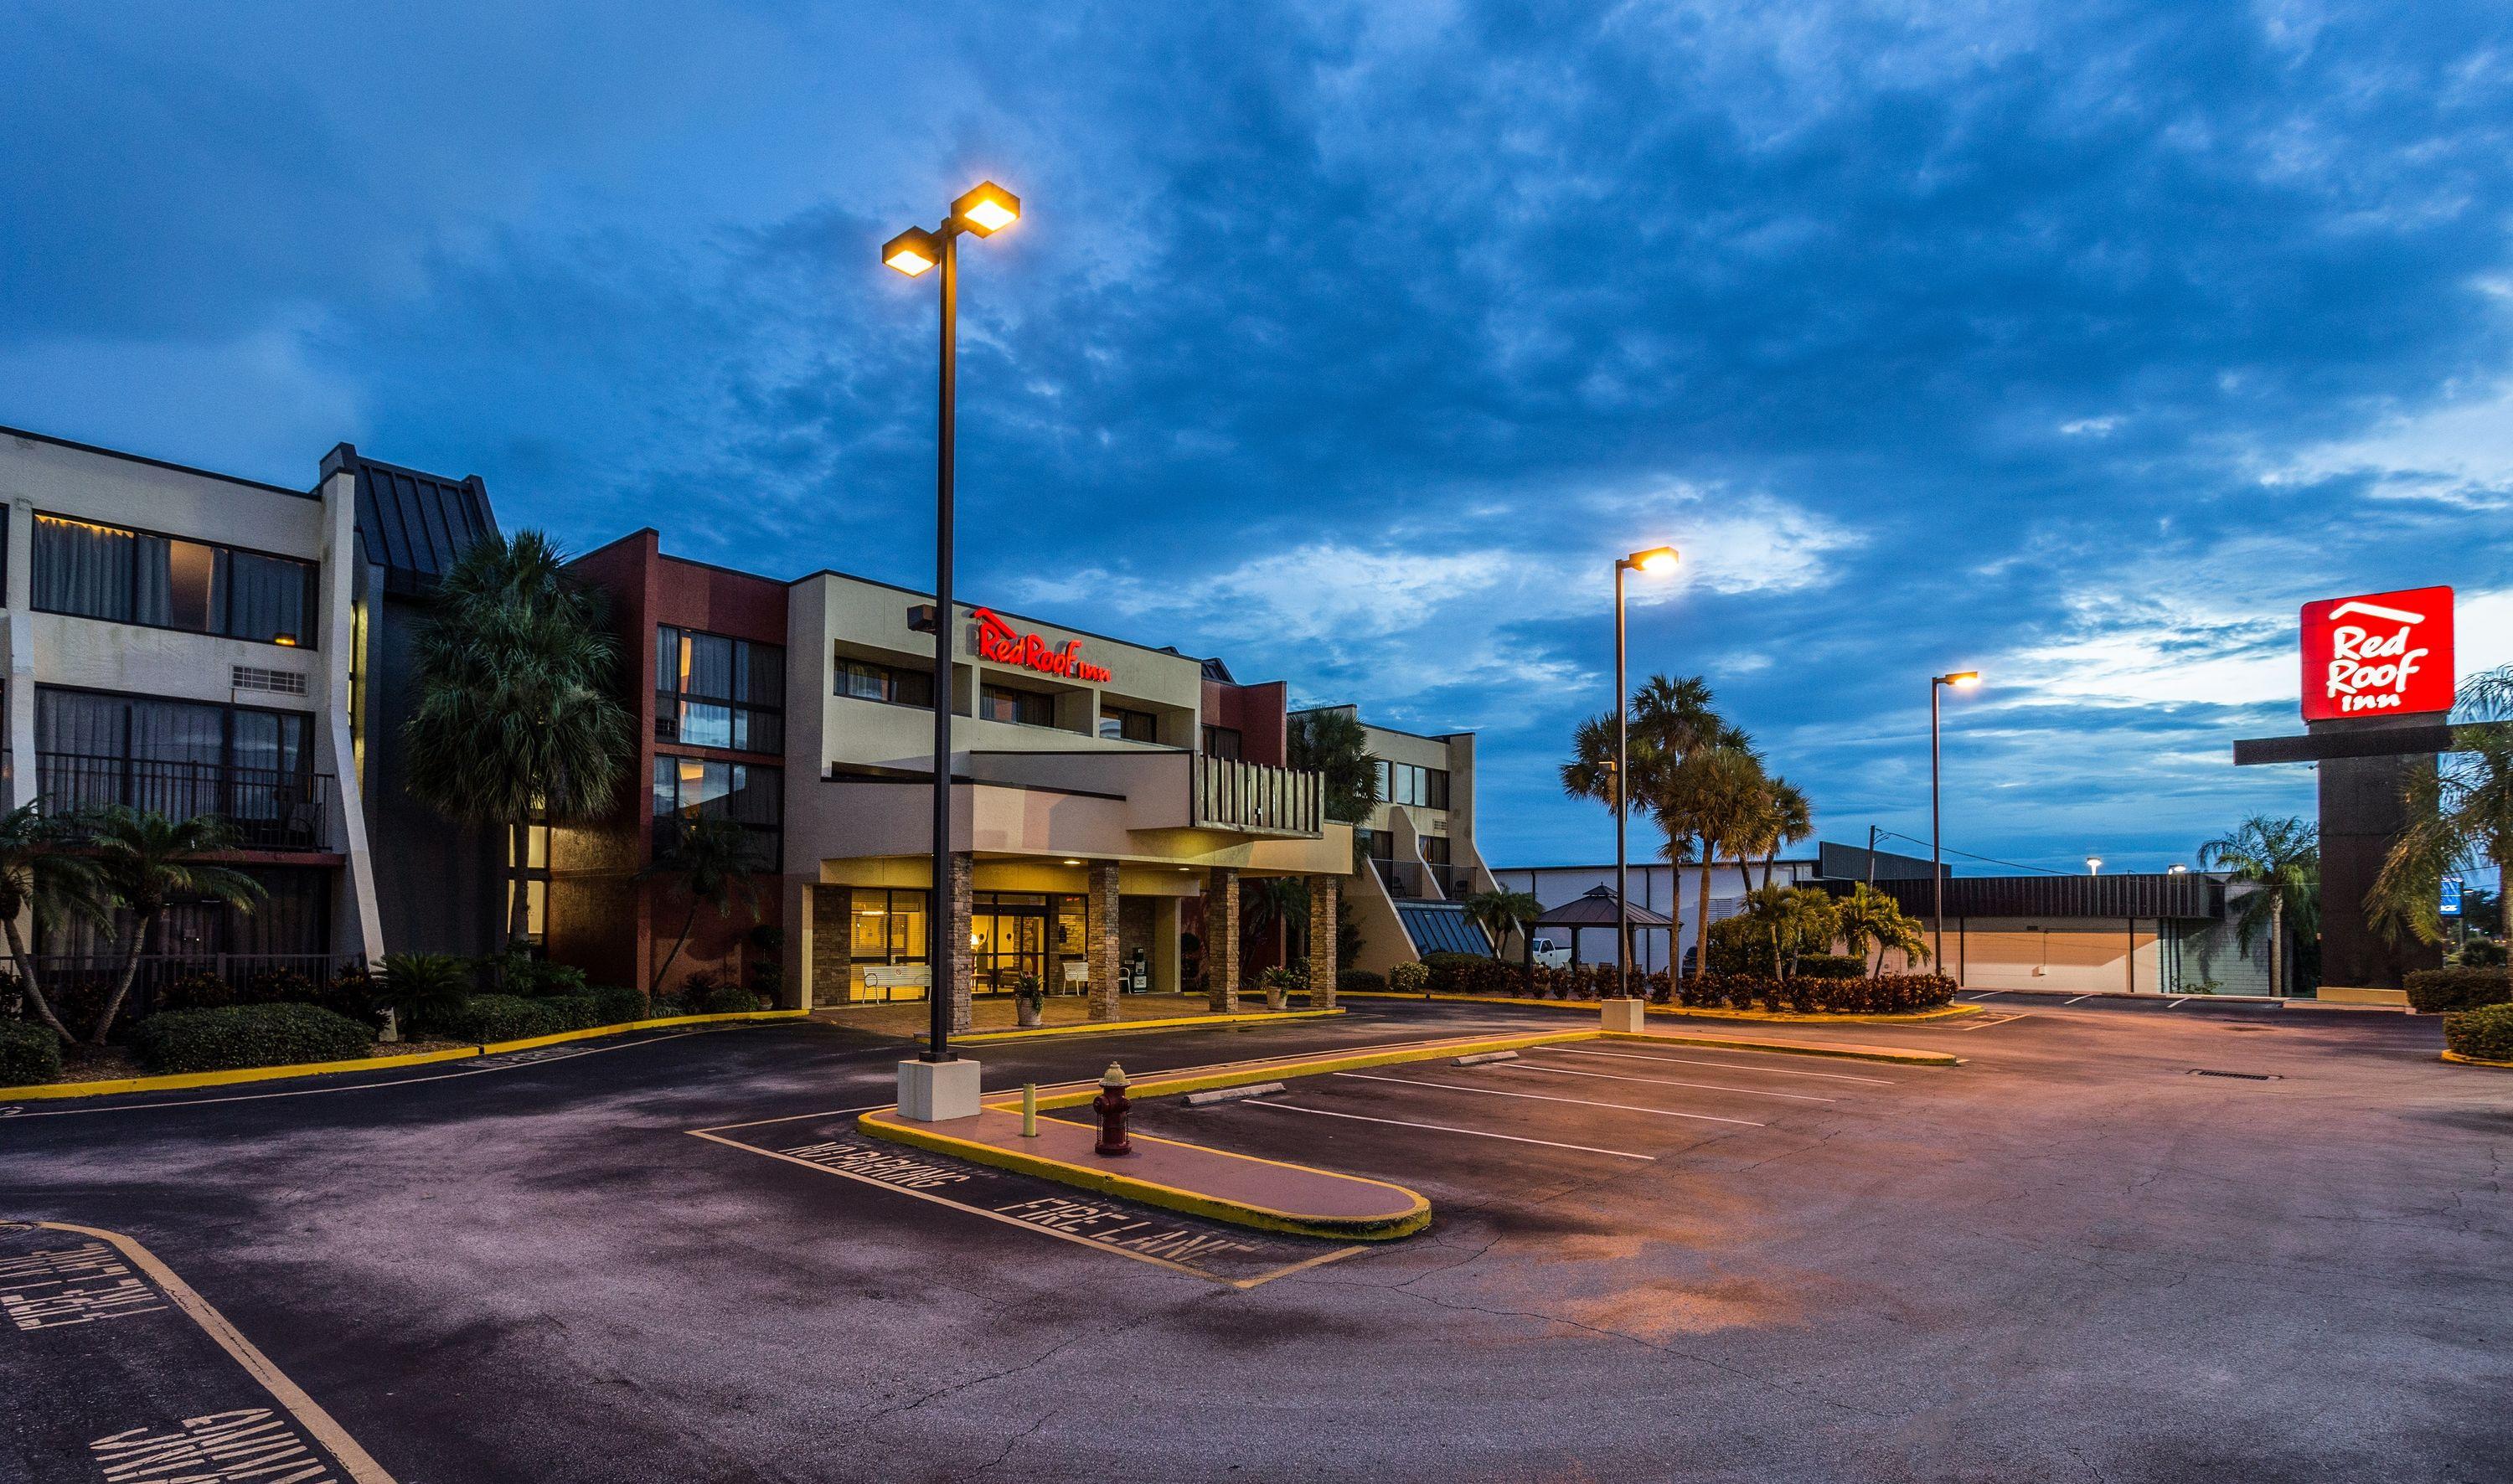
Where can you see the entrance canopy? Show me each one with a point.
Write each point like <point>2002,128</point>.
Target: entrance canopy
<point>1597,910</point>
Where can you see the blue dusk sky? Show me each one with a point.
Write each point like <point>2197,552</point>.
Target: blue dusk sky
<point>2078,343</point>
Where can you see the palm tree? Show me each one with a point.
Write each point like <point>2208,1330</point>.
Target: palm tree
<point>711,861</point>
<point>2458,812</point>
<point>1796,919</point>
<point>1792,819</point>
<point>515,712</point>
<point>40,868</point>
<point>1718,796</point>
<point>2281,857</point>
<point>1498,912</point>
<point>1271,903</point>
<point>1668,721</point>
<point>1870,918</point>
<point>1333,744</point>
<point>148,861</point>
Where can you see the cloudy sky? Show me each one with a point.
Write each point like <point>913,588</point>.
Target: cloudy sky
<point>2079,343</point>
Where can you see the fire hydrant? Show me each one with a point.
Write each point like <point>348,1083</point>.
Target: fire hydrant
<point>1112,1105</point>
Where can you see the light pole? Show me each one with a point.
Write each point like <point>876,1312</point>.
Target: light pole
<point>981,213</point>
<point>1657,559</point>
<point>1962,680</point>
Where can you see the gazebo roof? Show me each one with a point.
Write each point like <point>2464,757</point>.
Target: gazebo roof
<point>1597,910</point>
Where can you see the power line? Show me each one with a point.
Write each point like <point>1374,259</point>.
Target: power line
<point>1968,855</point>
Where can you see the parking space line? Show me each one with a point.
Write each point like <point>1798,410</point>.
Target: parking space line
<point>1537,1097</point>
<point>1751,1092</point>
<point>1755,1067</point>
<point>1987,1021</point>
<point>1446,1128</point>
<point>2073,1002</point>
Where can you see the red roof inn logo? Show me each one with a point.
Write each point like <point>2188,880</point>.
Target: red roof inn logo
<point>997,641</point>
<point>2380,654</point>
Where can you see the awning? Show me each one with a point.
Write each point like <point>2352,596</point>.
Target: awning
<point>1597,910</point>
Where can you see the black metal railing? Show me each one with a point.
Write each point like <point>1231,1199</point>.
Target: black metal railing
<point>76,983</point>
<point>271,809</point>
<point>1256,797</point>
<point>1455,883</point>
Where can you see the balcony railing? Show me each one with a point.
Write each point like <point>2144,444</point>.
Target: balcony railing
<point>271,809</point>
<point>1257,799</point>
<point>77,984</point>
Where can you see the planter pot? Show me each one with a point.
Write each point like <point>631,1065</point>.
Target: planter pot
<point>1033,1014</point>
<point>1277,998</point>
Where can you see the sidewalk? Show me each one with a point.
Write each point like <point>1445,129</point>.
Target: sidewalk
<point>904,1020</point>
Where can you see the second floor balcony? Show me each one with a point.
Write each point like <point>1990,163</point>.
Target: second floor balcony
<point>1257,798</point>
<point>269,808</point>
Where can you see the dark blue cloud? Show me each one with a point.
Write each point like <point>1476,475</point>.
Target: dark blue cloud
<point>1353,341</point>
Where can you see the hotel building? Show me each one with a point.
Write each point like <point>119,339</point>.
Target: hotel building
<point>1420,842</point>
<point>1109,798</point>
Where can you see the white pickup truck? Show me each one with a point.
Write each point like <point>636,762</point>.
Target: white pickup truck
<point>1546,954</point>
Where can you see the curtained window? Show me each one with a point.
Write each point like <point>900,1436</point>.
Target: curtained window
<point>131,577</point>
<point>714,691</point>
<point>752,796</point>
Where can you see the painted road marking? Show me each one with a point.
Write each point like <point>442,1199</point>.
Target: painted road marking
<point>1451,1128</point>
<point>1985,1022</point>
<point>117,1358</point>
<point>2176,1004</point>
<point>1983,995</point>
<point>1751,1092</point>
<point>478,1069</point>
<point>1755,1067</point>
<point>1537,1097</point>
<point>2073,1002</point>
<point>1197,1249</point>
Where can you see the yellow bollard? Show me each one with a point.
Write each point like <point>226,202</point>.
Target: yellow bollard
<point>1029,1110</point>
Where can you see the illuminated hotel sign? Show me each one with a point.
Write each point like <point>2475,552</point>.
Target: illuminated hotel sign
<point>2379,655</point>
<point>997,641</point>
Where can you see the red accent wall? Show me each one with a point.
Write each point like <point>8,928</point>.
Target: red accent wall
<point>1258,713</point>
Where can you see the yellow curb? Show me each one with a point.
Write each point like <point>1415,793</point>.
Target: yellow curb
<point>178,1081</point>
<point>1166,1198</point>
<point>2474,1061</point>
<point>1114,1026</point>
<point>1825,1018</point>
<point>1896,1055</point>
<point>1297,1067</point>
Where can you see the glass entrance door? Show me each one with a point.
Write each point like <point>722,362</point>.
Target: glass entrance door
<point>1008,938</point>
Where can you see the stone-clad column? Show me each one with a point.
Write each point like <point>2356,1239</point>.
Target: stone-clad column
<point>1322,942</point>
<point>833,950</point>
<point>1221,940</point>
<point>1102,914</point>
<point>964,958</point>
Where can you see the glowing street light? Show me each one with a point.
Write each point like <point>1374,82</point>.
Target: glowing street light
<point>981,213</point>
<point>1657,559</point>
<point>2093,865</point>
<point>1961,680</point>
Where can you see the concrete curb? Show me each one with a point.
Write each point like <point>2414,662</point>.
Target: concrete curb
<point>2458,1060</point>
<point>1763,1016</point>
<point>1900,1056</point>
<point>178,1082</point>
<point>1120,1027</point>
<point>1317,1066</point>
<point>1166,1198</point>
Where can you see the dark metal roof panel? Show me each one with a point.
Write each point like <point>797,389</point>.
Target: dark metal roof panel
<point>415,525</point>
<point>1596,909</point>
<point>2160,894</point>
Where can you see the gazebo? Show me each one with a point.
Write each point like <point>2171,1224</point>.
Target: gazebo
<point>1597,910</point>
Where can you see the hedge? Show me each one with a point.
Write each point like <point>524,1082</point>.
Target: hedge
<point>2431,991</point>
<point>1408,978</point>
<point>508,1017</point>
<point>706,994</point>
<point>29,1053</point>
<point>2485,1035</point>
<point>617,1004</point>
<point>1832,965</point>
<point>246,1035</point>
<point>1360,979</point>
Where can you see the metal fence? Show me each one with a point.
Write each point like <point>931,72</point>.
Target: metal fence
<point>77,984</point>
<point>271,809</point>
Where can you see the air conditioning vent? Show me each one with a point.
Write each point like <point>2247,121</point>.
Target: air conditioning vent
<point>274,681</point>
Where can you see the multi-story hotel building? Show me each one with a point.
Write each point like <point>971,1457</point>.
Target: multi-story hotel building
<point>1421,842</point>
<point>1109,797</point>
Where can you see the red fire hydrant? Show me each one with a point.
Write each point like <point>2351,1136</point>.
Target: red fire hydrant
<point>1112,1105</point>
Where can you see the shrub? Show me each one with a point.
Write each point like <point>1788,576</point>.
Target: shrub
<point>576,1012</point>
<point>2484,1033</point>
<point>1471,974</point>
<point>1360,979</point>
<point>488,1018</point>
<point>1409,979</point>
<point>1883,994</point>
<point>246,1035</point>
<point>30,1052</point>
<point>617,1004</point>
<point>1832,966</point>
<point>516,972</point>
<point>425,991</point>
<point>2480,954</point>
<point>280,986</point>
<point>712,995</point>
<point>199,990</point>
<point>2458,988</point>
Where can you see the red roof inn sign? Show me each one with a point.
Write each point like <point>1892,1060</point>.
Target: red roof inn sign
<point>997,641</point>
<point>2377,656</point>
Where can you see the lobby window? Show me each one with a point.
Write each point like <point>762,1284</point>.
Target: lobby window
<point>714,691</point>
<point>1409,783</point>
<point>1222,742</point>
<point>866,680</point>
<point>1119,725</point>
<point>750,796</point>
<point>1027,708</point>
<point>133,576</point>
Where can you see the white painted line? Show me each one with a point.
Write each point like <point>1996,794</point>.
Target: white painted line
<point>1749,1067</point>
<point>1451,1128</point>
<point>2176,1004</point>
<point>1537,1097</point>
<point>2073,1002</point>
<point>1986,995</point>
<point>1751,1092</point>
<point>1988,1021</point>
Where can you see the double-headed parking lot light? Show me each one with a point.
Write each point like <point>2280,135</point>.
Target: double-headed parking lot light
<point>1657,559</point>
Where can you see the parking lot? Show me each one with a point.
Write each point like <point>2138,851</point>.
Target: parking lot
<point>2114,1243</point>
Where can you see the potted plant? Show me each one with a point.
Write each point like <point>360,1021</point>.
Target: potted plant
<point>1278,989</point>
<point>1029,999</point>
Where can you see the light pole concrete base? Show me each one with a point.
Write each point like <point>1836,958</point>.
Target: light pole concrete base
<point>1621,1014</point>
<point>929,1092</point>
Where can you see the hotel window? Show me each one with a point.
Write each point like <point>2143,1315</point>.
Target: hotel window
<point>1222,742</point>
<point>133,576</point>
<point>866,680</point>
<point>1409,783</point>
<point>1118,725</point>
<point>1027,708</point>
<point>750,796</point>
<point>714,691</point>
